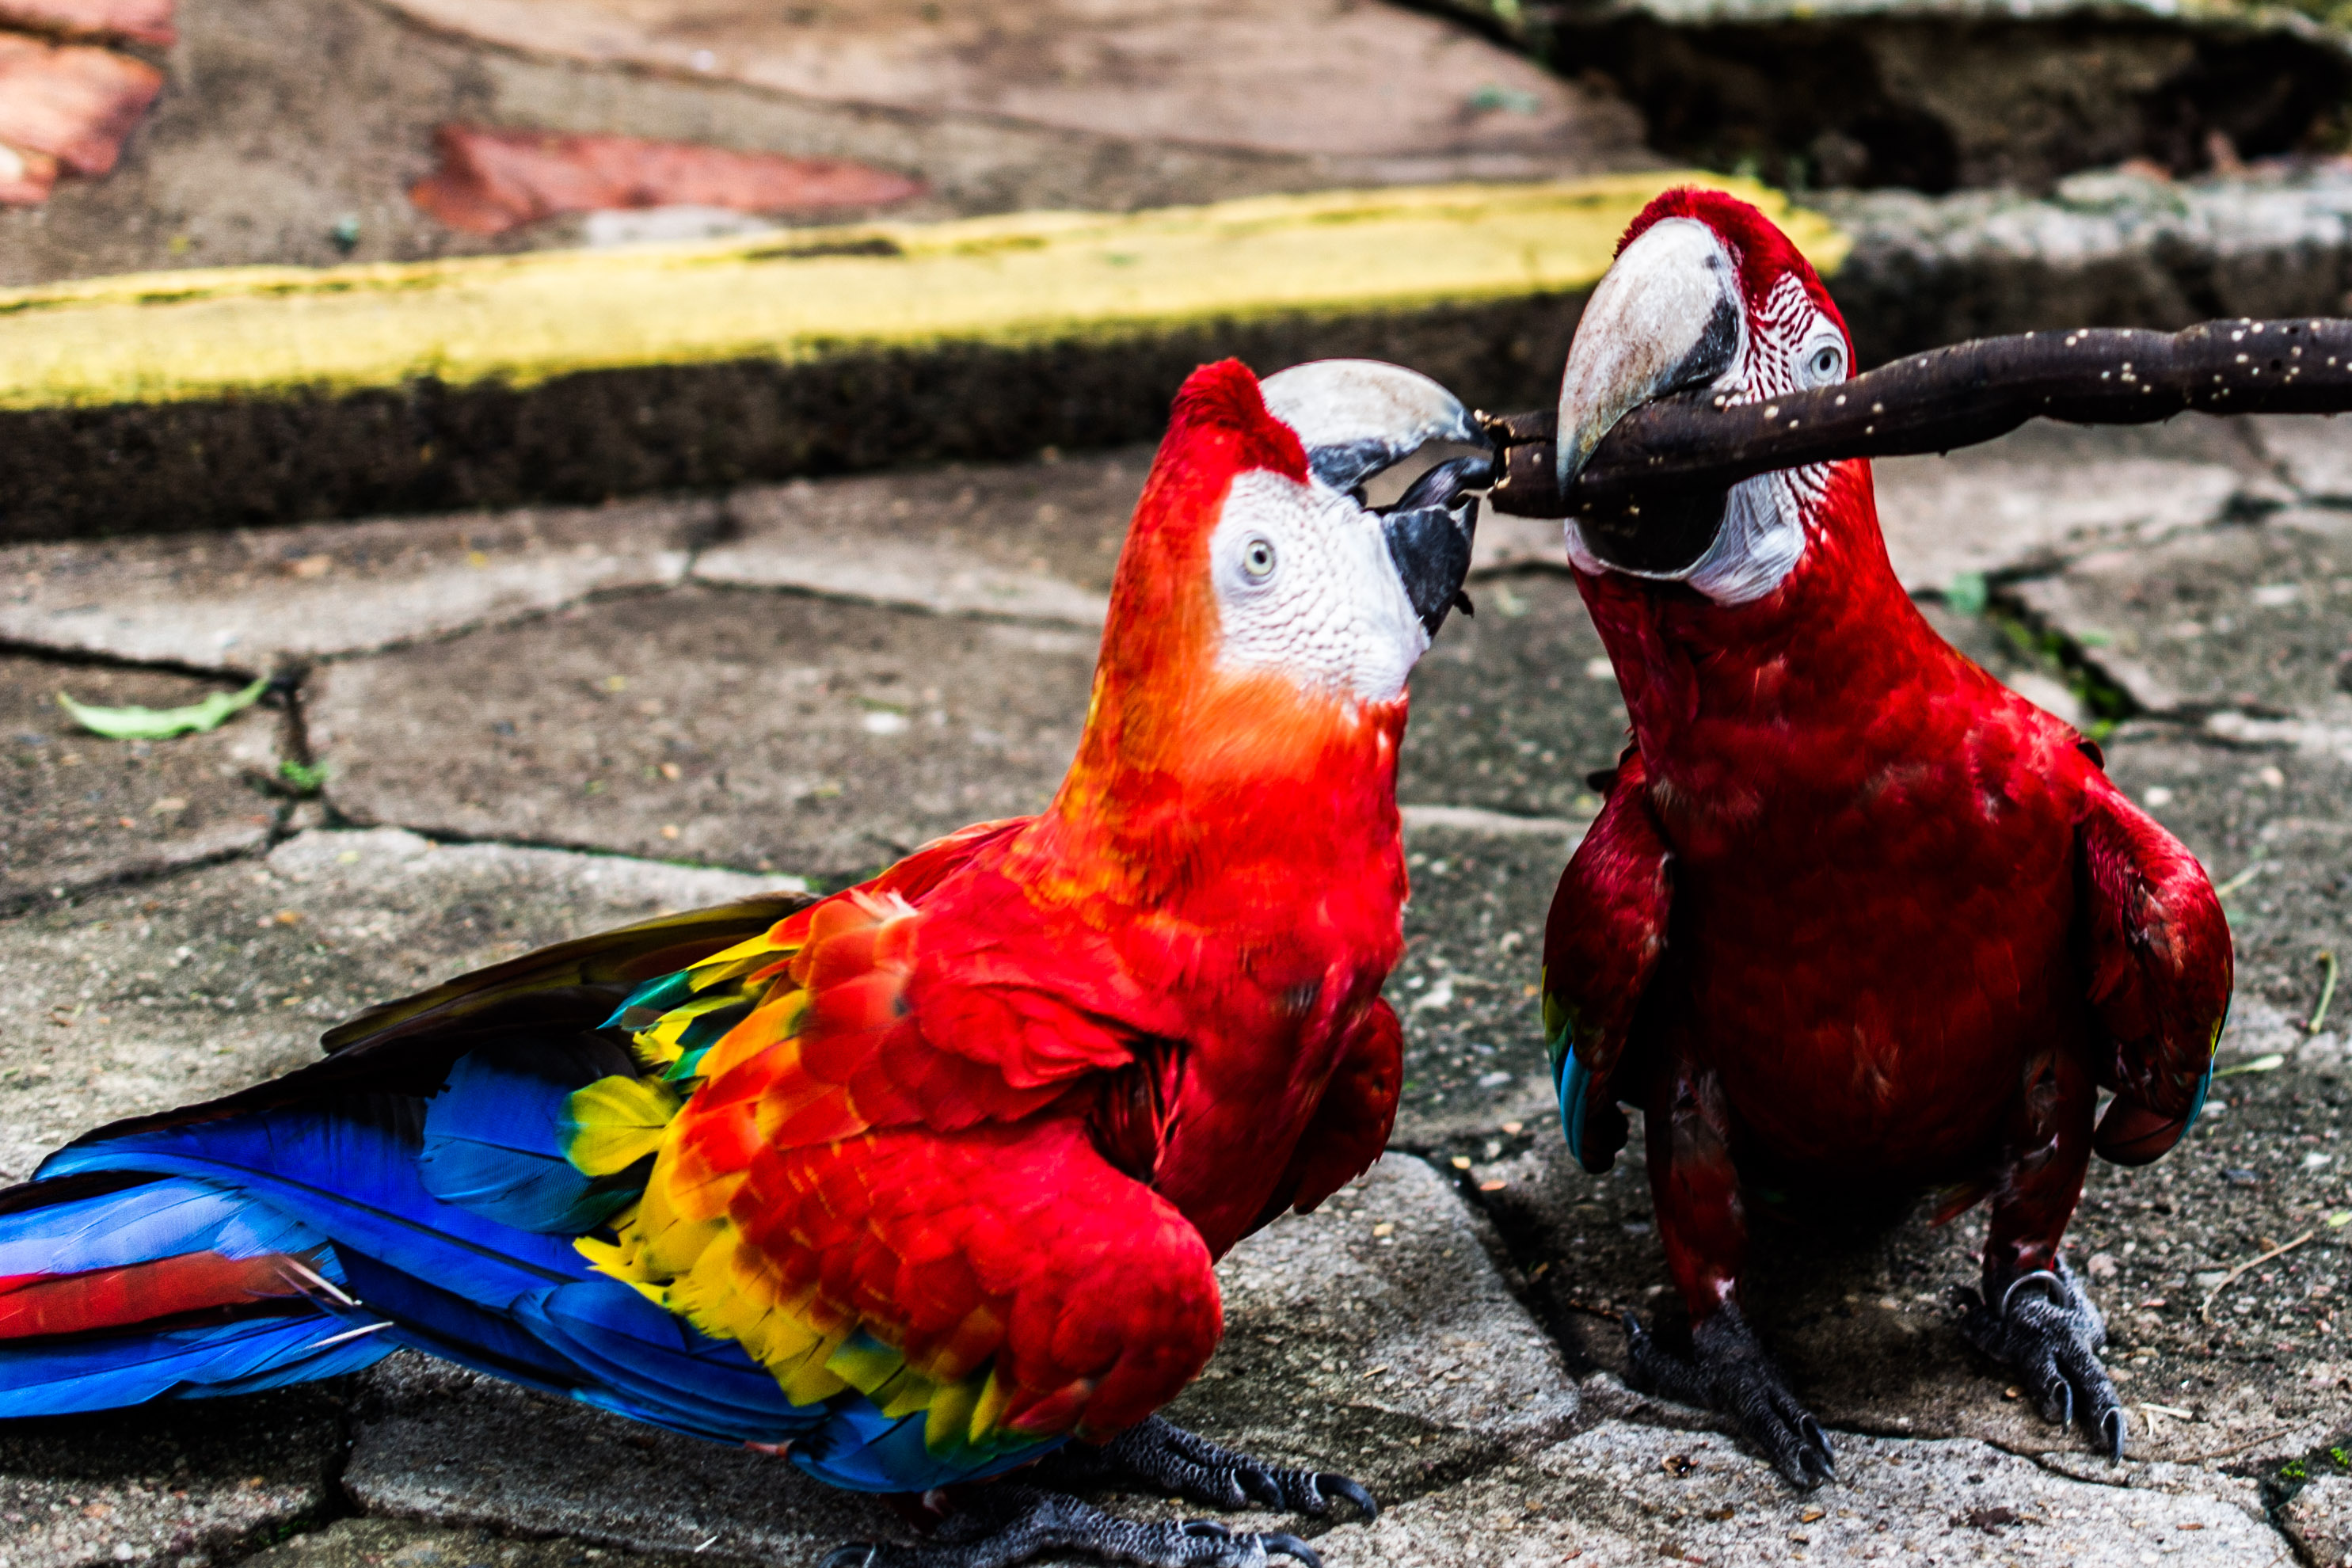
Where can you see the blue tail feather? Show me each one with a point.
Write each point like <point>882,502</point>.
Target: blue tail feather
<point>53,1377</point>
<point>159,1219</point>
<point>367,1149</point>
<point>451,1217</point>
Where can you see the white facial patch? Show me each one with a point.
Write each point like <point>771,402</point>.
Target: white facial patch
<point>1305,589</point>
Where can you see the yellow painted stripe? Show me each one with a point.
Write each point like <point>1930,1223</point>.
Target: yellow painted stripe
<point>809,294</point>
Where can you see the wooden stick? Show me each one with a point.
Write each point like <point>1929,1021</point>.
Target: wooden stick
<point>1933,402</point>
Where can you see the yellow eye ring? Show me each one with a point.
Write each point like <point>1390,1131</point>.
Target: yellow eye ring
<point>1257,559</point>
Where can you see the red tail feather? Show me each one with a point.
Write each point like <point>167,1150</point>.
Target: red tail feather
<point>35,1304</point>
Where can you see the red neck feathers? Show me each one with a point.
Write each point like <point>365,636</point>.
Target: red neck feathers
<point>1189,774</point>
<point>1832,665</point>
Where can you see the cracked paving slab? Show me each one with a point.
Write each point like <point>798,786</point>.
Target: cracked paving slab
<point>2033,498</point>
<point>182,1485</point>
<point>409,1543</point>
<point>1379,1337</point>
<point>751,728</point>
<point>260,599</point>
<point>376,913</point>
<point>77,809</point>
<point>143,998</point>
<point>1622,1494</point>
<point>1027,540</point>
<point>2250,617</point>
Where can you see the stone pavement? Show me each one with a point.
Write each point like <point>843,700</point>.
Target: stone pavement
<point>531,725</point>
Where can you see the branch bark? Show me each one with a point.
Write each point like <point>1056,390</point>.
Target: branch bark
<point>1933,402</point>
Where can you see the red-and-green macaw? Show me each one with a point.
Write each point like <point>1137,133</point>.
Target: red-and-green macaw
<point>912,1182</point>
<point>1854,917</point>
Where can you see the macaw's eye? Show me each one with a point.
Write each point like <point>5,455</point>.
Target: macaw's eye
<point>1257,559</point>
<point>1828,361</point>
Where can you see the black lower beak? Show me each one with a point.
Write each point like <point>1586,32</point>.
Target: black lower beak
<point>1429,533</point>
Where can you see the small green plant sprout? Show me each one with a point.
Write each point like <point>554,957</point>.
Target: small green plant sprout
<point>305,778</point>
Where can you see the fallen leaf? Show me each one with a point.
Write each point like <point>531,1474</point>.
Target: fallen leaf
<point>71,102</point>
<point>133,21</point>
<point>493,179</point>
<point>162,723</point>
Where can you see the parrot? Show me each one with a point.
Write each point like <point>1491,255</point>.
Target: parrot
<point>1852,917</point>
<point>913,1184</point>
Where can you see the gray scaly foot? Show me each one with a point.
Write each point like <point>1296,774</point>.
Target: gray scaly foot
<point>2048,1332</point>
<point>1731,1373</point>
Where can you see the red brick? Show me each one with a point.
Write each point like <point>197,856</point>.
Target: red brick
<point>70,102</point>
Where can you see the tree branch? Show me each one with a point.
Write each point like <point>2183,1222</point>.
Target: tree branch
<point>1933,402</point>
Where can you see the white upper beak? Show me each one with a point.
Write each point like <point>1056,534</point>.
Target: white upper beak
<point>1668,316</point>
<point>1357,416</point>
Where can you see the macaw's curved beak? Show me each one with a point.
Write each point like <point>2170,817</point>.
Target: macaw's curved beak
<point>1666,318</point>
<point>1357,416</point>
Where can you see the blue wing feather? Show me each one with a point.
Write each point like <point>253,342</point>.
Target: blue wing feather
<point>492,1140</point>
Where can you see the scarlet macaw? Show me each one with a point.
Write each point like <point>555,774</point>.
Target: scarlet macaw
<point>1854,916</point>
<point>913,1182</point>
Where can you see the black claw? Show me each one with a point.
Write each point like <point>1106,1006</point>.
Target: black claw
<point>2113,1423</point>
<point>1289,1545</point>
<point>1343,1488</point>
<point>1818,1442</point>
<point>1187,1465</point>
